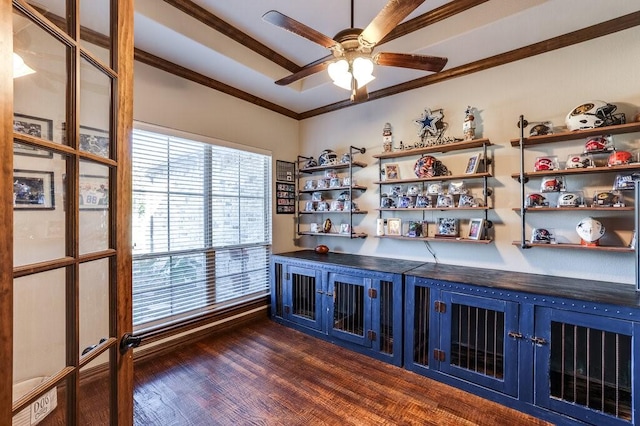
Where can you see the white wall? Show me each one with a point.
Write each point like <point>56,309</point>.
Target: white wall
<point>166,100</point>
<point>544,87</point>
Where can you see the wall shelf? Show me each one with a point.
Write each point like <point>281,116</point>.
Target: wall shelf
<point>619,249</point>
<point>573,209</point>
<point>455,146</point>
<point>578,134</point>
<point>614,169</point>
<point>439,239</point>
<point>436,178</point>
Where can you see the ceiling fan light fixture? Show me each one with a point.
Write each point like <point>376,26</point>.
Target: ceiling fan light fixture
<point>20,69</point>
<point>339,73</point>
<point>363,70</point>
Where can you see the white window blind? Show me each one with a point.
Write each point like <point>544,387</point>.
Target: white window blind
<point>201,227</point>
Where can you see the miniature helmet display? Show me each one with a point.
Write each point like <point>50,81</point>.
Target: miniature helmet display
<point>536,200</point>
<point>429,166</point>
<point>397,190</point>
<point>346,158</point>
<point>593,114</point>
<point>579,161</point>
<point>413,190</point>
<point>387,202</point>
<point>423,201</point>
<point>328,158</point>
<point>434,188</point>
<point>457,188</point>
<point>541,235</point>
<point>569,200</point>
<point>619,158</point>
<point>624,181</point>
<point>404,202</point>
<point>445,200</point>
<point>467,200</point>
<point>311,162</point>
<point>540,130</point>
<point>598,144</point>
<point>590,229</point>
<point>552,184</point>
<point>544,163</point>
<point>606,199</point>
<point>344,196</point>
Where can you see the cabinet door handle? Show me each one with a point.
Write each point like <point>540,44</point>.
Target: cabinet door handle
<point>320,292</point>
<point>539,340</point>
<point>515,334</point>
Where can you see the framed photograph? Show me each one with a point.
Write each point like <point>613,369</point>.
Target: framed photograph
<point>32,126</point>
<point>94,192</point>
<point>391,172</point>
<point>32,190</point>
<point>394,226</point>
<point>476,229</point>
<point>94,141</point>
<point>447,227</point>
<point>472,164</point>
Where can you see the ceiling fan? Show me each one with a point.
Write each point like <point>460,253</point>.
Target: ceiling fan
<point>351,63</point>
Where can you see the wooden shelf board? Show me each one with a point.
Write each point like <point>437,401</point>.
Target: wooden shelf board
<point>335,188</point>
<point>589,170</point>
<point>573,209</point>
<point>333,234</point>
<point>335,166</point>
<point>455,146</point>
<point>432,208</point>
<point>618,249</point>
<point>334,212</point>
<point>436,178</point>
<point>578,134</point>
<point>446,240</point>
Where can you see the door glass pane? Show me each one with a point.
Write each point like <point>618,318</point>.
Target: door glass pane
<point>94,207</point>
<point>95,107</point>
<point>94,304</point>
<point>48,409</point>
<point>39,326</point>
<point>94,395</point>
<point>38,210</point>
<point>53,10</point>
<point>40,91</point>
<point>95,25</point>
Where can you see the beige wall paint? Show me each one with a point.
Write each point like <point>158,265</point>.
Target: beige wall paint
<point>166,100</point>
<point>545,87</point>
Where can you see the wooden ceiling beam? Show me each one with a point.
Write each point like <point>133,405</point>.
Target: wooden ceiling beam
<point>598,30</point>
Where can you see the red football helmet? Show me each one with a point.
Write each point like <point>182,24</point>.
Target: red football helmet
<point>597,144</point>
<point>536,200</point>
<point>618,158</point>
<point>544,163</point>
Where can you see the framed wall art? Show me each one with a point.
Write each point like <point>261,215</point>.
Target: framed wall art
<point>286,198</point>
<point>394,226</point>
<point>33,190</point>
<point>94,141</point>
<point>391,172</point>
<point>472,164</point>
<point>476,229</point>
<point>94,192</point>
<point>32,126</point>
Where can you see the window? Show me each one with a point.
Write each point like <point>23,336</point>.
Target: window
<point>201,226</point>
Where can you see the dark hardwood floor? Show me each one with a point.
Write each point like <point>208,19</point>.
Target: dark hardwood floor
<point>267,374</point>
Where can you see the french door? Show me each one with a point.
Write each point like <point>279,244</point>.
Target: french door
<point>65,203</point>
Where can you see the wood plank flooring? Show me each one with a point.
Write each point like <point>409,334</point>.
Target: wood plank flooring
<point>267,374</point>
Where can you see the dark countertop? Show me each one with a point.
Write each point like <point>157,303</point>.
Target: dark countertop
<point>579,289</point>
<point>370,263</point>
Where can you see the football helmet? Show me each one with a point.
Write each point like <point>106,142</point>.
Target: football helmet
<point>541,235</point>
<point>579,161</point>
<point>404,202</point>
<point>593,114</point>
<point>544,163</point>
<point>413,190</point>
<point>536,200</point>
<point>552,184</point>
<point>598,144</point>
<point>346,158</point>
<point>344,196</point>
<point>387,202</point>
<point>311,162</point>
<point>328,157</point>
<point>569,200</point>
<point>541,129</point>
<point>625,181</point>
<point>619,158</point>
<point>423,201</point>
<point>467,200</point>
<point>605,199</point>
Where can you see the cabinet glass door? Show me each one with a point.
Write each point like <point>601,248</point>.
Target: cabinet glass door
<point>350,309</point>
<point>474,342</point>
<point>304,297</point>
<point>583,368</point>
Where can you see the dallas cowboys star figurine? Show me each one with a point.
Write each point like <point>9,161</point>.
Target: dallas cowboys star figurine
<point>428,123</point>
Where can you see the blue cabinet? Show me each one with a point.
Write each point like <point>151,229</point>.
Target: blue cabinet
<point>353,301</point>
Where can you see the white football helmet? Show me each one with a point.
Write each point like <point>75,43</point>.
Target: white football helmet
<point>593,114</point>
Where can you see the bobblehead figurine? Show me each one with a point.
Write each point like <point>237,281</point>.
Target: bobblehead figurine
<point>469,125</point>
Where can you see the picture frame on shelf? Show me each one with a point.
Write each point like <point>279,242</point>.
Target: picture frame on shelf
<point>472,164</point>
<point>33,190</point>
<point>447,227</point>
<point>476,229</point>
<point>94,192</point>
<point>394,226</point>
<point>391,172</point>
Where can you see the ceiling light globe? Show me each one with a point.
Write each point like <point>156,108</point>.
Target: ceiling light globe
<point>339,73</point>
<point>362,70</point>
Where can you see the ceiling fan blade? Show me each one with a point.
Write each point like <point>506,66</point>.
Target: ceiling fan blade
<point>405,60</point>
<point>309,69</point>
<point>283,21</point>
<point>390,16</point>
